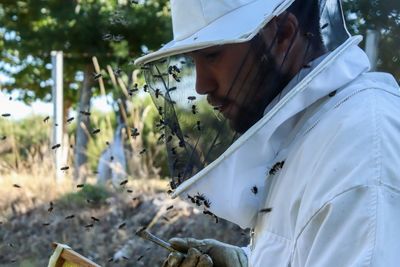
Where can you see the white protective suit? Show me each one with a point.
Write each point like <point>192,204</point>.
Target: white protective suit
<point>336,201</point>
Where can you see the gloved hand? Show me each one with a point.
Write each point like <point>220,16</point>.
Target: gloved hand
<point>205,253</point>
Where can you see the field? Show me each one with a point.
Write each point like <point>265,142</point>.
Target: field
<point>29,223</point>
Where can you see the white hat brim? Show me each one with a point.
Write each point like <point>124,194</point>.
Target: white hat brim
<point>239,25</point>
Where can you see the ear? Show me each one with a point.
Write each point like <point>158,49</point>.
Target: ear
<point>281,33</point>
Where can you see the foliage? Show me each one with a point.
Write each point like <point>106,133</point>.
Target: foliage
<point>384,16</point>
<point>95,194</point>
<point>31,29</point>
<point>25,140</point>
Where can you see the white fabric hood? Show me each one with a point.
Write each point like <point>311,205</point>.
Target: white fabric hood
<point>227,182</point>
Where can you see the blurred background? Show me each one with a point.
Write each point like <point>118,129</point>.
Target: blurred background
<point>82,161</point>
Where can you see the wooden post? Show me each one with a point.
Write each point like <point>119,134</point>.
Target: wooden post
<point>57,93</point>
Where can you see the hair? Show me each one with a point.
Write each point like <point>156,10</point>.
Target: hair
<point>307,13</point>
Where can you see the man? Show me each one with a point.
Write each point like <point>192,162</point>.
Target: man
<point>316,171</point>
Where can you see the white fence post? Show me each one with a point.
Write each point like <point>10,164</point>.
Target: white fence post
<point>371,47</point>
<point>57,96</point>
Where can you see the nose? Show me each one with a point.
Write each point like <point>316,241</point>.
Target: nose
<point>205,80</point>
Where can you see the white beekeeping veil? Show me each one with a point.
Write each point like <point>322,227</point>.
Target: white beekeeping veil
<point>197,135</point>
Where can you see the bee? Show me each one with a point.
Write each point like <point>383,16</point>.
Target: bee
<point>173,151</point>
<point>170,70</point>
<point>134,89</point>
<point>56,146</point>
<point>112,158</point>
<point>198,126</point>
<point>139,258</point>
<point>191,98</point>
<point>89,225</point>
<point>122,225</point>
<point>111,259</point>
<point>216,218</point>
<point>276,168</point>
<point>45,224</point>
<point>158,93</point>
<point>95,219</point>
<point>200,196</point>
<point>169,139</point>
<point>145,88</point>
<point>170,207</point>
<point>70,119</point>
<point>107,36</point>
<point>50,209</point>
<point>266,210</point>
<point>194,109</point>
<point>307,66</point>
<point>80,185</point>
<point>107,143</point>
<point>181,143</point>
<point>129,191</point>
<point>171,89</point>
<point>118,37</point>
<point>16,186</point>
<point>133,2</point>
<point>46,119</point>
<point>117,72</point>
<point>3,138</point>
<point>86,113</point>
<point>70,217</point>
<point>160,124</point>
<point>134,132</point>
<point>123,182</point>
<point>161,137</point>
<point>254,189</point>
<point>64,168</point>
<point>207,203</point>
<point>207,212</point>
<point>176,78</point>
<point>332,94</point>
<point>173,185</point>
<point>71,146</point>
<point>6,114</point>
<point>95,131</point>
<point>176,69</point>
<point>96,76</point>
<point>191,198</point>
<point>324,26</point>
<point>142,151</point>
<point>160,111</point>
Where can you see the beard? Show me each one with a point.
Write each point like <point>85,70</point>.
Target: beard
<point>263,87</point>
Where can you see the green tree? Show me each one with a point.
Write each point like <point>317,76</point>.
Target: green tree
<point>113,31</point>
<point>381,15</point>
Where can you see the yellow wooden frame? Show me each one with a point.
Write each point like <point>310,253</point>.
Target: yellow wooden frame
<point>69,256</point>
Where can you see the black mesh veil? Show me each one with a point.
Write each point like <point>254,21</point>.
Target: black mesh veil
<point>194,131</point>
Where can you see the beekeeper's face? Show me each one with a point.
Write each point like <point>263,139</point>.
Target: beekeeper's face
<point>241,79</point>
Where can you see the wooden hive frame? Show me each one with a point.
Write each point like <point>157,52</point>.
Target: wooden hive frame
<point>69,256</point>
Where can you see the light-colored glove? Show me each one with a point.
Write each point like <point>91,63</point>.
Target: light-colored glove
<point>205,253</point>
